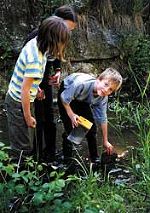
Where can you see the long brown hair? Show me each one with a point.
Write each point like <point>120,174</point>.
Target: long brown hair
<point>53,36</point>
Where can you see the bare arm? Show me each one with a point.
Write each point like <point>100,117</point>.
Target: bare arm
<point>25,98</point>
<point>74,118</point>
<point>106,144</point>
<point>54,80</point>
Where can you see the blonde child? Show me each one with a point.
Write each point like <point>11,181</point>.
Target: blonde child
<point>81,94</point>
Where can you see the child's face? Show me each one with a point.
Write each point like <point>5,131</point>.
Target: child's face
<point>70,24</point>
<point>104,87</point>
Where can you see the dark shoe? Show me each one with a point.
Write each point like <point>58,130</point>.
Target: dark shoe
<point>47,160</point>
<point>96,160</point>
<point>54,165</point>
<point>95,164</point>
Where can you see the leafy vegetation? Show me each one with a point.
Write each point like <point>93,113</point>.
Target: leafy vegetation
<point>36,188</point>
<point>136,53</point>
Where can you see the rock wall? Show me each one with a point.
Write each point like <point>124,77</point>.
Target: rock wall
<point>99,22</point>
<point>100,29</point>
<point>16,19</point>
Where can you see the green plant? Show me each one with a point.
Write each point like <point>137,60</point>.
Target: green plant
<point>137,55</point>
<point>138,6</point>
<point>142,120</point>
<point>141,163</point>
<point>122,115</point>
<point>29,188</point>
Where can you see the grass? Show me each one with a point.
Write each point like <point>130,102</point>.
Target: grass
<point>38,189</point>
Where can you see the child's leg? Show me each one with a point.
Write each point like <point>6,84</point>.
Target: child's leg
<point>20,136</point>
<point>50,141</point>
<point>38,140</point>
<point>67,145</point>
<point>83,109</point>
<point>49,124</point>
<point>92,143</point>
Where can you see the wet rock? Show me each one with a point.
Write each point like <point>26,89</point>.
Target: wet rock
<point>122,181</point>
<point>115,171</point>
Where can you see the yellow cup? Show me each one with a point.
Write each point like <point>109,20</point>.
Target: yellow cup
<point>78,133</point>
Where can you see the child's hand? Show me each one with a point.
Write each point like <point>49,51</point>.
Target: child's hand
<point>54,80</point>
<point>109,148</point>
<point>74,120</point>
<point>31,122</point>
<point>40,94</point>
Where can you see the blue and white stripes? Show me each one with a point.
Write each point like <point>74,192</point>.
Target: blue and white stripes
<point>31,63</point>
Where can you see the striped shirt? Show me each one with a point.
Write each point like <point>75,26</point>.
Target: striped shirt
<point>31,63</point>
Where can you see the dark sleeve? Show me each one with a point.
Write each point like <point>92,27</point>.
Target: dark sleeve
<point>47,73</point>
<point>50,69</point>
<point>30,36</point>
<point>57,65</point>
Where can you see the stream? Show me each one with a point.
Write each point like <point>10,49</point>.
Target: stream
<point>123,143</point>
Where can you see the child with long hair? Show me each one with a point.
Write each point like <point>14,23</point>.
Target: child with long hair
<point>51,41</point>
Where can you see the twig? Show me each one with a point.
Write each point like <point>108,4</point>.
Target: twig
<point>18,165</point>
<point>3,177</point>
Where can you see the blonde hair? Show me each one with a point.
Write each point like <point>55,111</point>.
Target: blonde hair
<point>112,75</point>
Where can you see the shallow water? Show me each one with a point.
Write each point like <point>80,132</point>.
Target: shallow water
<point>121,141</point>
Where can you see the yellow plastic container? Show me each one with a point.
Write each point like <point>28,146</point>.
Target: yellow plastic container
<point>78,133</point>
<point>84,122</point>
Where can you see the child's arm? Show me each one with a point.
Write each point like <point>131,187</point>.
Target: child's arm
<point>106,144</point>
<point>54,80</point>
<point>74,117</point>
<point>25,98</point>
<point>40,94</point>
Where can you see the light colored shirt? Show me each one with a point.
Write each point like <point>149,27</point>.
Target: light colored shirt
<point>80,86</point>
<point>31,63</point>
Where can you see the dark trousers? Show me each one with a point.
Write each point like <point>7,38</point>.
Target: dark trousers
<point>20,135</point>
<point>46,127</point>
<point>83,109</point>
